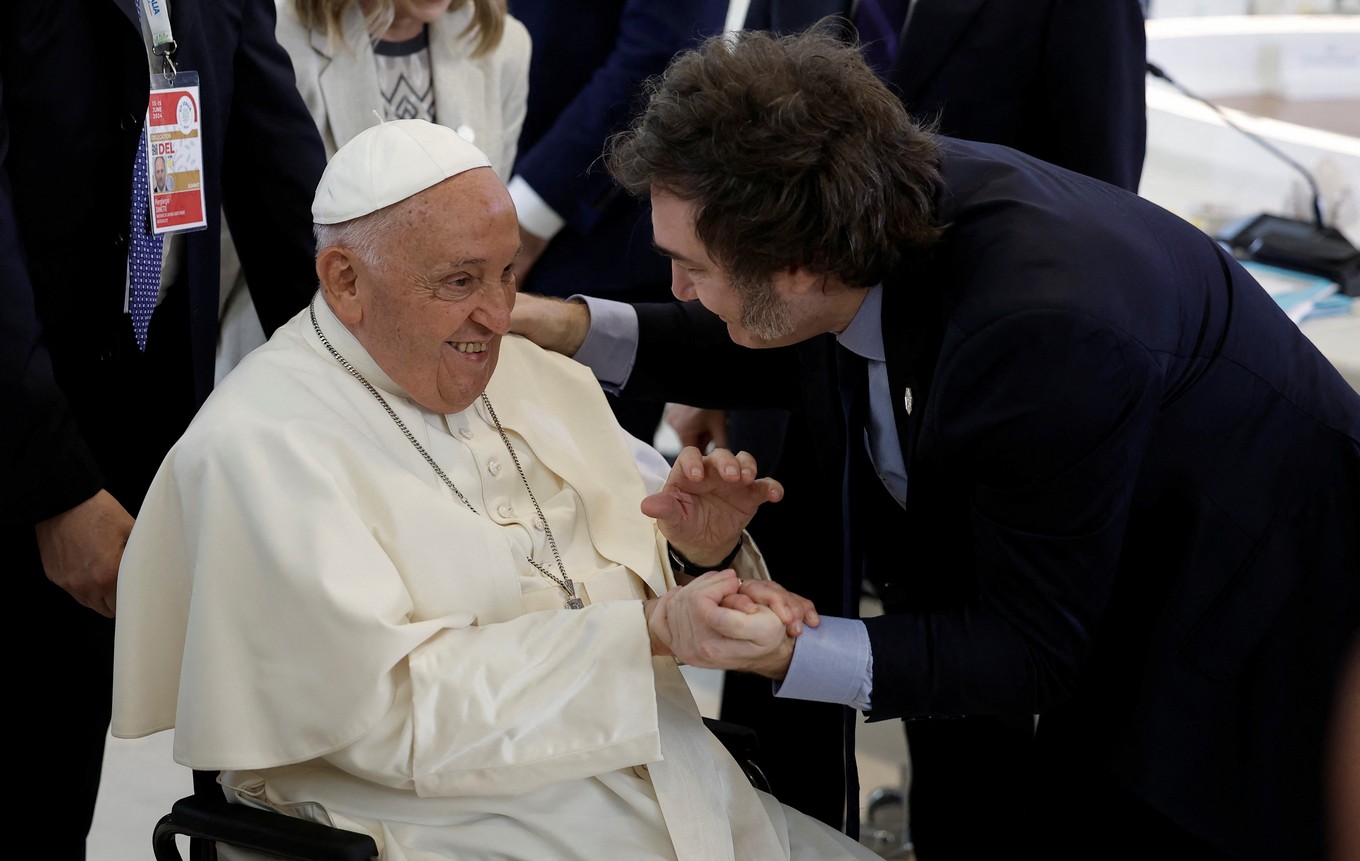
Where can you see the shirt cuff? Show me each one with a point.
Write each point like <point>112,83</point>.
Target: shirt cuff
<point>832,663</point>
<point>535,215</point>
<point>610,346</point>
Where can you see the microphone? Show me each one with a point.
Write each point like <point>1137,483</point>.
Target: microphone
<point>1315,248</point>
<point>1157,72</point>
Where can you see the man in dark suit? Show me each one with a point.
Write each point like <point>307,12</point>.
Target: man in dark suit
<point>581,233</point>
<point>1060,81</point>
<point>90,414</point>
<point>1094,471</point>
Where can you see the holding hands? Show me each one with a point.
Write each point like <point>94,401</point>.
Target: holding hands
<point>720,621</point>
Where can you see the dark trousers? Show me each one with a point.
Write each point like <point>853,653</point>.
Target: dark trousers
<point>807,747</point>
<point>65,681</point>
<point>970,785</point>
<point>130,406</point>
<point>1079,812</point>
<point>802,751</point>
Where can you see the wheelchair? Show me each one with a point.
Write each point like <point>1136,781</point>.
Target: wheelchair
<point>208,820</point>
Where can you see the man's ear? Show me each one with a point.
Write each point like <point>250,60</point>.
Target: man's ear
<point>335,269</point>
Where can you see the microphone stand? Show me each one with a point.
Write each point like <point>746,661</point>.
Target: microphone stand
<point>1315,247</point>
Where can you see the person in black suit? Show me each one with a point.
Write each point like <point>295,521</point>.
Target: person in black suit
<point>90,414</point>
<point>1060,81</point>
<point>1093,470</point>
<point>581,233</point>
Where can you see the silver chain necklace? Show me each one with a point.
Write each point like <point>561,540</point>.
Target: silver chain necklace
<point>573,601</point>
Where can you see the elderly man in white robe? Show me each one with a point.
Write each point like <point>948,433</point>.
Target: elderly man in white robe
<point>378,585</point>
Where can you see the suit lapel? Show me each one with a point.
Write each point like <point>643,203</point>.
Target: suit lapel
<point>935,27</point>
<point>817,364</point>
<point>911,339</point>
<point>459,85</point>
<point>348,83</point>
<point>129,8</point>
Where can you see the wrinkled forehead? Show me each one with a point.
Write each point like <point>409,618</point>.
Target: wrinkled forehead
<point>468,216</point>
<point>471,205</point>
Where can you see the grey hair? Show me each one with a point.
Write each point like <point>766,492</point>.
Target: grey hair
<point>366,236</point>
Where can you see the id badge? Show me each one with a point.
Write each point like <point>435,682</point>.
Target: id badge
<point>174,158</point>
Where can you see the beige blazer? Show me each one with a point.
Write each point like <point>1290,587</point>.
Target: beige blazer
<point>486,94</point>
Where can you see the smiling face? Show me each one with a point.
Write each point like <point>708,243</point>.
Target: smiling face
<point>432,311</point>
<point>791,306</point>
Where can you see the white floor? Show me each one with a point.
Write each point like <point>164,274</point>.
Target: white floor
<point>141,779</point>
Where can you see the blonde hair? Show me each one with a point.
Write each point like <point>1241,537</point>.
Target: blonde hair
<point>327,16</point>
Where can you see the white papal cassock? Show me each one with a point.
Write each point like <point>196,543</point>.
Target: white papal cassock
<point>317,615</point>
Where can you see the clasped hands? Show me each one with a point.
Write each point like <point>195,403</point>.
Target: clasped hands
<point>718,620</point>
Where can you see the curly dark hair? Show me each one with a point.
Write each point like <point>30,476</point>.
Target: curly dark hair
<point>792,152</point>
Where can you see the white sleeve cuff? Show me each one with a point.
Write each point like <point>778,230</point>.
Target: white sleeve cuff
<point>535,216</point>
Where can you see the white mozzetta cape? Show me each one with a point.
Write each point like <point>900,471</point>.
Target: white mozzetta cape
<point>315,613</point>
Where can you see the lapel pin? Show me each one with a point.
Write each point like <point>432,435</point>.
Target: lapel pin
<point>906,401</point>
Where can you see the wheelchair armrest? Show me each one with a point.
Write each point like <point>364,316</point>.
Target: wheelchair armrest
<point>258,830</point>
<point>744,745</point>
<point>207,819</point>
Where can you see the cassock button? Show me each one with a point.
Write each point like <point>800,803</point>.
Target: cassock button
<point>538,523</point>
<point>505,510</point>
<point>494,467</point>
<point>465,433</point>
<point>466,133</point>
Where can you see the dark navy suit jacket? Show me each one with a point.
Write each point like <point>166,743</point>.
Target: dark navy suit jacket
<point>1133,494</point>
<point>585,82</point>
<point>73,78</point>
<point>1063,81</point>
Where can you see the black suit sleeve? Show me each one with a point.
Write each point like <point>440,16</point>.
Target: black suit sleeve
<point>563,165</point>
<point>1095,74</point>
<point>685,356</point>
<point>48,468</point>
<point>272,161</point>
